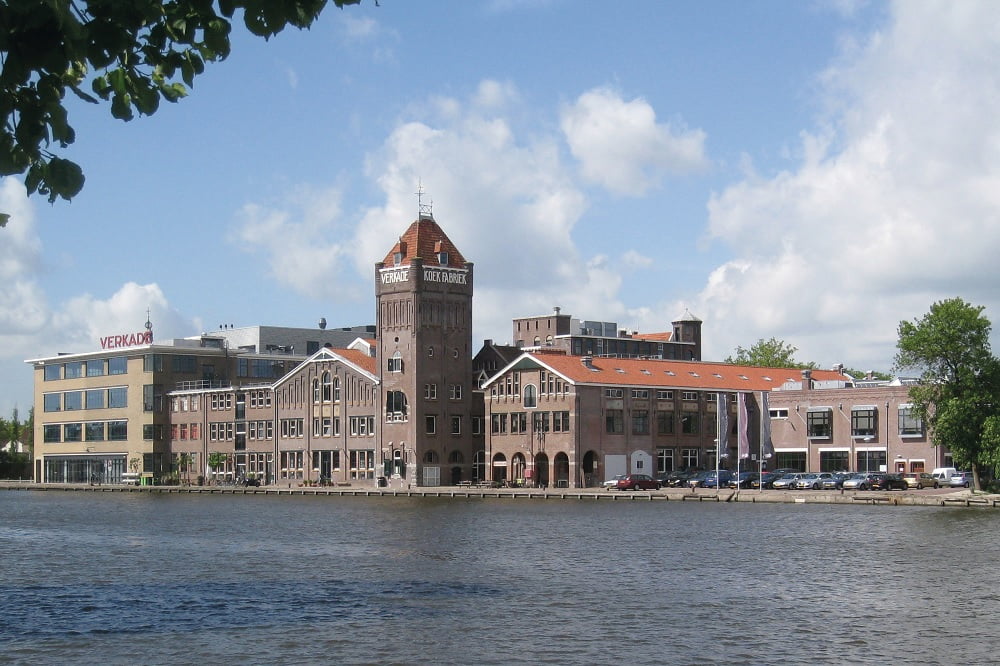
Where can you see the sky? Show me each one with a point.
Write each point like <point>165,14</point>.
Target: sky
<point>811,170</point>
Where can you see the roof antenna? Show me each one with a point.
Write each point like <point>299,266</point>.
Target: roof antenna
<point>424,211</point>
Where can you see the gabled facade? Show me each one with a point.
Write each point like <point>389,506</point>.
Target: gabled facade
<point>556,419</point>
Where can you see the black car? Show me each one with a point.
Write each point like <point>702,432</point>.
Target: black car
<point>766,480</point>
<point>888,482</point>
<point>677,478</point>
<point>745,480</point>
<point>251,481</point>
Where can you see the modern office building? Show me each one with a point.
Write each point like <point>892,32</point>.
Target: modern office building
<point>104,413</point>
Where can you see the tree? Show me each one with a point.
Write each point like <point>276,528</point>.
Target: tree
<point>959,393</point>
<point>771,353</point>
<point>132,54</point>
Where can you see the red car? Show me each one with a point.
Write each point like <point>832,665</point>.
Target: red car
<point>638,482</point>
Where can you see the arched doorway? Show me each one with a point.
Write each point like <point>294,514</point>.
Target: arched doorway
<point>499,468</point>
<point>517,468</point>
<point>542,470</point>
<point>456,459</point>
<point>562,470</point>
<point>591,475</point>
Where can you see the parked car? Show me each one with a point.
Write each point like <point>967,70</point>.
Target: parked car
<point>638,482</point>
<point>835,481</point>
<point>713,481</point>
<point>920,480</point>
<point>766,480</point>
<point>678,478</point>
<point>786,482</point>
<point>882,481</point>
<point>744,480</point>
<point>811,481</point>
<point>858,481</point>
<point>251,481</point>
<point>943,474</point>
<point>613,483</point>
<point>960,480</point>
<point>697,480</point>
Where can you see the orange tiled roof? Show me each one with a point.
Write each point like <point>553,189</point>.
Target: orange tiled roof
<point>424,239</point>
<point>665,337</point>
<point>677,374</point>
<point>360,359</point>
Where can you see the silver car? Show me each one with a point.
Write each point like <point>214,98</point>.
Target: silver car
<point>858,481</point>
<point>961,480</point>
<point>787,482</point>
<point>811,481</point>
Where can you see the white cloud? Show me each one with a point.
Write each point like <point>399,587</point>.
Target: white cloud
<point>622,147</point>
<point>895,202</point>
<point>635,260</point>
<point>301,242</point>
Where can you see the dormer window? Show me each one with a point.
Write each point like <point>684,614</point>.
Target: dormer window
<point>443,258</point>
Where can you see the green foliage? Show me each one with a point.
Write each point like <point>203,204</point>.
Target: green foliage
<point>132,54</point>
<point>771,353</point>
<point>959,392</point>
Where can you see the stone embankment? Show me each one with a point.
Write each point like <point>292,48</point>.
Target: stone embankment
<point>944,497</point>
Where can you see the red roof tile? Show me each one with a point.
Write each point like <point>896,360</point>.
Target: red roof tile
<point>424,239</point>
<point>677,374</point>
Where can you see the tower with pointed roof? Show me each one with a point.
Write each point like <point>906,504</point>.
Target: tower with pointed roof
<point>423,294</point>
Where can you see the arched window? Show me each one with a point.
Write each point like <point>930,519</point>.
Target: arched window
<point>327,387</point>
<point>395,364</point>
<point>316,390</point>
<point>431,457</point>
<point>336,389</point>
<point>395,407</point>
<point>530,399</point>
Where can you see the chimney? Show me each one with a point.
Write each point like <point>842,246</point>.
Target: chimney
<point>588,362</point>
<point>807,380</point>
<point>557,308</point>
<point>322,323</point>
<point>838,368</point>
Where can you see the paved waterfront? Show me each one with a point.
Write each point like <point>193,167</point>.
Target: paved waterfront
<point>928,497</point>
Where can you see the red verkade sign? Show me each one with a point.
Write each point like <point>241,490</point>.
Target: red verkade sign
<point>127,340</point>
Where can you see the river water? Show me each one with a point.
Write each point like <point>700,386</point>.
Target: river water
<point>124,578</point>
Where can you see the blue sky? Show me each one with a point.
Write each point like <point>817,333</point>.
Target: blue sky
<point>814,171</point>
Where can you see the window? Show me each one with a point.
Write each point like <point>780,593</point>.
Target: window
<point>614,422</point>
<point>52,402</point>
<point>430,422</point>
<point>395,407</point>
<point>118,431</point>
<point>117,365</point>
<point>95,399</point>
<point>909,424</point>
<point>430,391</point>
<point>51,433</point>
<point>395,364</point>
<point>118,397</point>
<point>819,422</point>
<point>613,393</point>
<point>53,372</point>
<point>689,423</point>
<point>778,413</point>
<point>73,370</point>
<point>664,461</point>
<point>664,395</point>
<point>477,425</point>
<point>456,425</point>
<point>640,422</point>
<point>499,424</point>
<point>336,391</point>
<point>327,387</point>
<point>362,465</point>
<point>540,421</point>
<point>864,422</point>
<point>640,394</point>
<point>72,432</point>
<point>152,363</point>
<point>455,391</point>
<point>315,390</point>
<point>689,458</point>
<point>518,423</point>
<point>689,396</point>
<point>72,400</point>
<point>530,399</point>
<point>664,423</point>
<point>95,368</point>
<point>560,421</point>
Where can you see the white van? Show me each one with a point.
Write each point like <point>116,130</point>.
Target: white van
<point>942,476</point>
